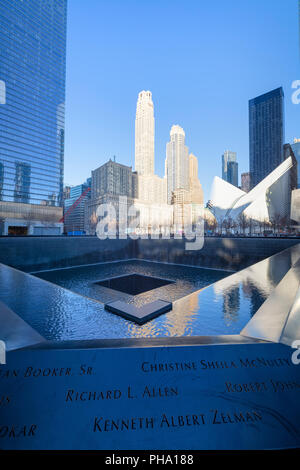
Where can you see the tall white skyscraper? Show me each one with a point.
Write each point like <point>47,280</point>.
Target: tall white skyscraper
<point>177,163</point>
<point>144,134</point>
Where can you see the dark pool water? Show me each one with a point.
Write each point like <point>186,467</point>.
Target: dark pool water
<point>85,280</point>
<point>67,304</point>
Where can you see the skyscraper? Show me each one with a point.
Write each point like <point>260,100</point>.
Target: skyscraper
<point>177,162</point>
<point>144,134</point>
<point>233,173</point>
<point>74,207</point>
<point>245,182</point>
<point>195,185</point>
<point>108,183</point>
<point>32,74</point>
<point>150,187</point>
<point>266,134</point>
<point>230,167</point>
<point>112,178</point>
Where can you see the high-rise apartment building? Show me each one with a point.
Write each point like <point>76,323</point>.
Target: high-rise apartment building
<point>245,182</point>
<point>66,192</point>
<point>266,134</point>
<point>233,173</point>
<point>230,167</point>
<point>112,178</point>
<point>150,187</point>
<point>108,183</point>
<point>32,75</point>
<point>182,208</point>
<point>188,203</point>
<point>194,183</point>
<point>144,134</point>
<point>74,207</point>
<point>177,163</point>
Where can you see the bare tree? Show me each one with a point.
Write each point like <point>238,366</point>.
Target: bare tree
<point>285,223</point>
<point>212,224</point>
<point>276,222</point>
<point>228,224</point>
<point>220,223</point>
<point>243,222</point>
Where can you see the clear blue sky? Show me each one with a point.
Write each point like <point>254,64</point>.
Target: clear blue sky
<point>202,60</point>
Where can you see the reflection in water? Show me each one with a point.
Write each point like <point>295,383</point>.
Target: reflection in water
<point>221,308</point>
<point>188,279</point>
<point>254,285</point>
<point>255,296</point>
<point>85,280</point>
<point>231,303</point>
<point>179,322</point>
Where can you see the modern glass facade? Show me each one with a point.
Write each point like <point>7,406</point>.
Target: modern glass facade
<point>32,66</point>
<point>232,173</point>
<point>266,134</point>
<point>74,216</point>
<point>230,167</point>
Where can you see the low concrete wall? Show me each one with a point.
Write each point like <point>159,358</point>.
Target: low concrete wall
<point>222,253</point>
<point>35,253</point>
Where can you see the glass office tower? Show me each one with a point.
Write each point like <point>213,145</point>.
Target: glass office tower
<point>230,167</point>
<point>32,67</point>
<point>266,134</point>
<point>74,207</point>
<point>232,173</point>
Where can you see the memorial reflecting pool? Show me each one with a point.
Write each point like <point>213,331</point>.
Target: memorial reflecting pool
<point>170,282</point>
<point>69,304</point>
<point>221,332</point>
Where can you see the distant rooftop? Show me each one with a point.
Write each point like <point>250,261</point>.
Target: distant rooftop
<point>267,96</point>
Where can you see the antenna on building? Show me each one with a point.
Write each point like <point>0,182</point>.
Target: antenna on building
<point>114,158</point>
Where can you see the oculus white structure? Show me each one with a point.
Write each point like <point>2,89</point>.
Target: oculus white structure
<point>266,201</point>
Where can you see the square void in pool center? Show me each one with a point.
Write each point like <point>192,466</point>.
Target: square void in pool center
<point>134,284</point>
